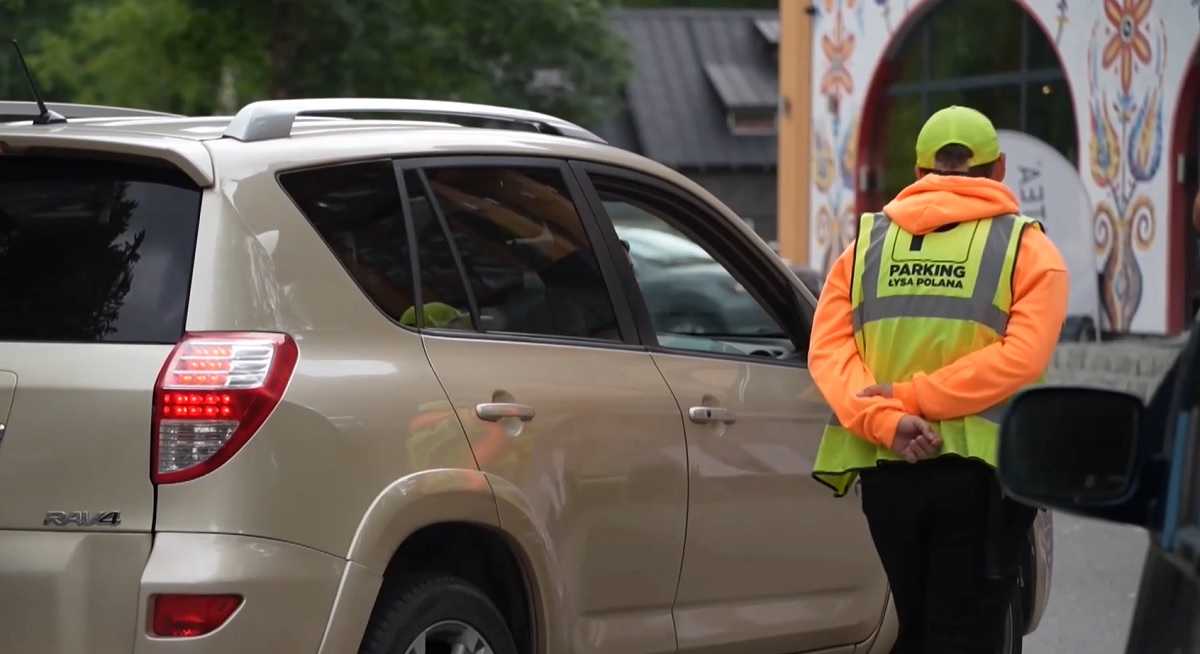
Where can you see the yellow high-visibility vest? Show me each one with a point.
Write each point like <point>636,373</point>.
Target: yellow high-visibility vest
<point>921,302</point>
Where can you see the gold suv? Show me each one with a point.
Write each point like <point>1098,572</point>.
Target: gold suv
<point>408,377</point>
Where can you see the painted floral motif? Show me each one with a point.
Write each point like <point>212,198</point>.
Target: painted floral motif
<point>838,48</point>
<point>1118,233</point>
<point>1127,40</point>
<point>848,158</point>
<point>1146,138</point>
<point>885,7</point>
<point>836,227</point>
<point>1062,20</point>
<point>835,140</point>
<point>1104,148</point>
<point>822,165</point>
<point>1125,151</point>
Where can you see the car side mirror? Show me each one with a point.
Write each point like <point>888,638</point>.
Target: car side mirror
<point>1071,448</point>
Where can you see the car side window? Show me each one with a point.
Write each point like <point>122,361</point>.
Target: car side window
<point>527,259</point>
<point>356,209</point>
<point>444,296</point>
<point>695,302</point>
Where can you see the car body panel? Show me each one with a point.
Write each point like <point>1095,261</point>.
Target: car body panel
<point>351,609</point>
<point>287,592</point>
<point>186,155</point>
<point>362,398</point>
<point>1164,619</point>
<point>602,465</point>
<point>65,593</point>
<point>418,500</point>
<point>773,560</point>
<point>78,436</point>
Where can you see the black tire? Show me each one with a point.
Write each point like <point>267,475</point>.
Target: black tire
<point>416,605</point>
<point>1014,623</point>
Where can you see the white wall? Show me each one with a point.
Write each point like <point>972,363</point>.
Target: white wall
<point>1129,192</point>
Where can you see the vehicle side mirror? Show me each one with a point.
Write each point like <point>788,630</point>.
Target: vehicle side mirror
<point>1071,448</point>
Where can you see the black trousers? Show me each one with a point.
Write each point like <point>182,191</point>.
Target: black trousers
<point>951,545</point>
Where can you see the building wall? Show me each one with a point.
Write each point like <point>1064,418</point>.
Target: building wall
<point>1124,124</point>
<point>750,193</point>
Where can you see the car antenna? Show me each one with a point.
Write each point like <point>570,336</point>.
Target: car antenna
<point>45,115</point>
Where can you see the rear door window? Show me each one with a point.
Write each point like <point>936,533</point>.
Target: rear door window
<point>94,251</point>
<point>528,260</point>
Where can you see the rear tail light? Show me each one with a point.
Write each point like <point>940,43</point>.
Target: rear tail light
<point>214,392</point>
<point>187,616</point>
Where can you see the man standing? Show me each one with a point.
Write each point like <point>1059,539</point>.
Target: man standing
<point>948,304</point>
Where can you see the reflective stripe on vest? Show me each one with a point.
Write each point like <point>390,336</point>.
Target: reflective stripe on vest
<point>942,296</point>
<point>978,308</point>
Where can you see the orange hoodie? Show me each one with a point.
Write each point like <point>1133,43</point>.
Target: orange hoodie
<point>974,382</point>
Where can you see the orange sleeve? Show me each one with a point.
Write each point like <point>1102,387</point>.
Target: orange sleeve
<point>838,369</point>
<point>991,375</point>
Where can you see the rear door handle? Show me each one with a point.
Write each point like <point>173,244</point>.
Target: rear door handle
<point>706,415</point>
<point>496,411</point>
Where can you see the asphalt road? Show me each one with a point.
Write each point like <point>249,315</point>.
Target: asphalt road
<point>1097,567</point>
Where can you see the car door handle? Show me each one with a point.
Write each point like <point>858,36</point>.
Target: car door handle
<point>496,411</point>
<point>706,415</point>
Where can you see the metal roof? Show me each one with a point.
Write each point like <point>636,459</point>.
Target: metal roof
<point>769,28</point>
<point>691,68</point>
<point>743,87</point>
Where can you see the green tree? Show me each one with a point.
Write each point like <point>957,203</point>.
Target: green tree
<point>198,56</point>
<point>164,54</point>
<point>705,4</point>
<point>23,20</point>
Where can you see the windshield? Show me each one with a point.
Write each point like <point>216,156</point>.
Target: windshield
<point>661,247</point>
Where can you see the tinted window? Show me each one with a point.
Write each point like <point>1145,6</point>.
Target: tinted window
<point>442,289</point>
<point>528,261</point>
<point>94,251</point>
<point>693,300</point>
<point>356,208</point>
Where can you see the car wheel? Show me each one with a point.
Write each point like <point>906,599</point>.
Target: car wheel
<point>436,615</point>
<point>1014,623</point>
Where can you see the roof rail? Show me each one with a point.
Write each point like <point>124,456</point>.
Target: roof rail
<point>272,119</point>
<point>20,110</point>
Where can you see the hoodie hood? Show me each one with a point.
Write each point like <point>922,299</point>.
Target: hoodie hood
<point>937,200</point>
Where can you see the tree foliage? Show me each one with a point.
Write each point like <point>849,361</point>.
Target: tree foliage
<point>201,56</point>
<point>703,4</point>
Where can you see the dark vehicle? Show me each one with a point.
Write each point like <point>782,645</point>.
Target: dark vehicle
<point>687,291</point>
<point>1105,454</point>
<point>813,279</point>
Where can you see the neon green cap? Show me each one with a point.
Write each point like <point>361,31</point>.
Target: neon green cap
<point>961,125</point>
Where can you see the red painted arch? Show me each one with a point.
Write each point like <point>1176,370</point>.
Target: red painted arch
<point>870,138</point>
<point>1183,138</point>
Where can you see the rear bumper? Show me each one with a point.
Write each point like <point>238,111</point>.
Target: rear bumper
<point>69,592</point>
<point>287,590</point>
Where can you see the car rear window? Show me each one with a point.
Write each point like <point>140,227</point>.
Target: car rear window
<point>94,251</point>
